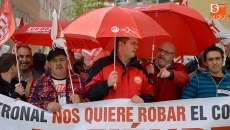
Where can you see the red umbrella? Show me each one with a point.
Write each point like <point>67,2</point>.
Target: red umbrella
<point>113,22</point>
<point>38,33</point>
<point>189,31</point>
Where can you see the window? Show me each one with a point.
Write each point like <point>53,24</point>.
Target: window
<point>50,6</point>
<point>30,20</point>
<point>16,13</point>
<point>21,14</point>
<point>13,9</point>
<point>42,3</point>
<point>25,18</point>
<point>50,13</point>
<point>45,5</point>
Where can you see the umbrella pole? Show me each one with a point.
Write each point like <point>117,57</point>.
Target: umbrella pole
<point>71,82</point>
<point>152,50</point>
<point>69,67</point>
<point>114,60</point>
<point>19,78</point>
<point>152,54</point>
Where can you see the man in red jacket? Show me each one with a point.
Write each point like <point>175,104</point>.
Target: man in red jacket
<point>129,80</point>
<point>168,77</point>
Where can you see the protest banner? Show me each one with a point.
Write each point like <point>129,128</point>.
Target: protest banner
<point>119,114</point>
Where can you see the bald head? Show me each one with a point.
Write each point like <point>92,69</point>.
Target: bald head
<point>168,46</point>
<point>165,54</point>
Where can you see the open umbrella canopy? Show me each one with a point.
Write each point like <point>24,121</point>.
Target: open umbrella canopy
<point>113,22</point>
<point>38,33</point>
<point>188,29</point>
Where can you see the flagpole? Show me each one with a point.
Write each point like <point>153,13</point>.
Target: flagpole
<point>19,76</point>
<point>60,41</point>
<point>59,10</point>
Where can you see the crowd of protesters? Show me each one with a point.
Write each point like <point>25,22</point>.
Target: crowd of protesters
<point>67,81</point>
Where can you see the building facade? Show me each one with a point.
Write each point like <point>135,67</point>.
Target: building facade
<point>204,7</point>
<point>33,10</point>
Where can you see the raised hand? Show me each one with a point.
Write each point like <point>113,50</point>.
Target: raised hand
<point>112,79</point>
<point>164,73</point>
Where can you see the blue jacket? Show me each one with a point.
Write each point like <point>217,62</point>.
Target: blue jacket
<point>203,86</point>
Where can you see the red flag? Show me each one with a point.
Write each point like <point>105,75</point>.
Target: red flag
<point>21,24</point>
<point>17,43</point>
<point>184,2</point>
<point>7,23</point>
<point>59,30</point>
<point>94,54</point>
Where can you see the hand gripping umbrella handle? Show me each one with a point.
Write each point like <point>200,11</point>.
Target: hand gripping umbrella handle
<point>115,86</point>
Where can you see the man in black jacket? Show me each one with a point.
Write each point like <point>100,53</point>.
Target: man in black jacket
<point>227,61</point>
<point>39,61</point>
<point>8,72</point>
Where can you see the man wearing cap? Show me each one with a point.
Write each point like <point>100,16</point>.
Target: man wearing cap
<point>53,89</point>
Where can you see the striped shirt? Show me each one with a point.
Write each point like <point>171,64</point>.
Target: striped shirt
<point>203,85</point>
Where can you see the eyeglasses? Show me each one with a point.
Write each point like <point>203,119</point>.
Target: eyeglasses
<point>159,50</point>
<point>217,59</point>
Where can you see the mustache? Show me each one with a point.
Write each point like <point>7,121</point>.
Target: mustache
<point>160,57</point>
<point>24,62</point>
<point>59,67</point>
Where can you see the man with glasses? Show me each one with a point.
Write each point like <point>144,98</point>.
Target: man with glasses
<point>53,88</point>
<point>214,82</point>
<point>168,77</point>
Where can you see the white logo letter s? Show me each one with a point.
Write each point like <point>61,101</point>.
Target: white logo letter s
<point>214,8</point>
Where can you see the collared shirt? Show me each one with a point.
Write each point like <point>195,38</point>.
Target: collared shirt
<point>27,76</point>
<point>160,67</point>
